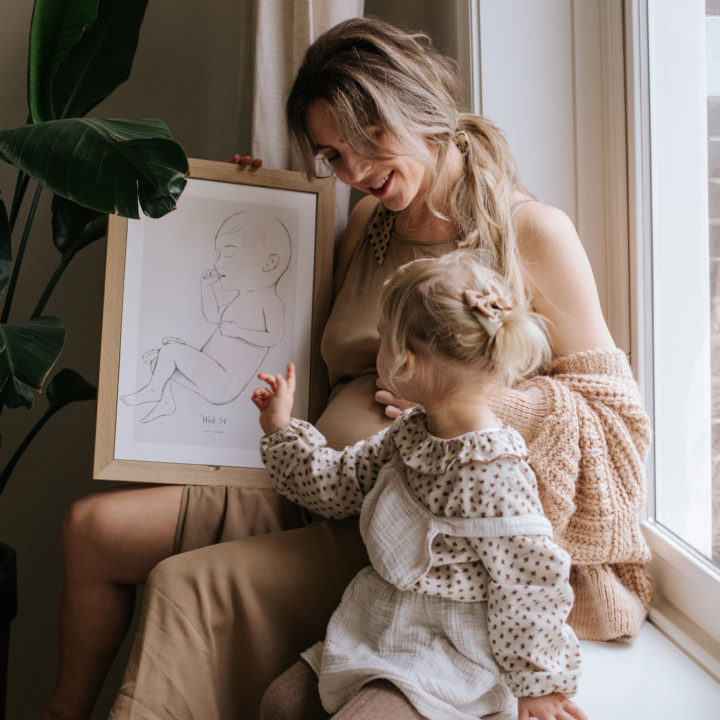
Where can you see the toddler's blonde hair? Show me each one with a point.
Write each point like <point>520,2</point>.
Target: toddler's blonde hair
<point>425,309</point>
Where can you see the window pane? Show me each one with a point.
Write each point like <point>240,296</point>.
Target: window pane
<point>712,52</point>
<point>684,85</point>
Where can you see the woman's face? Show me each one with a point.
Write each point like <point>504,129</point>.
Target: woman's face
<point>395,180</point>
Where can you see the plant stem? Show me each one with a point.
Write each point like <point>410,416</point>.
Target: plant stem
<point>59,270</point>
<point>18,195</point>
<point>13,461</point>
<point>19,258</point>
<point>20,187</point>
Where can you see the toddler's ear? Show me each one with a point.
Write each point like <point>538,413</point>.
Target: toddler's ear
<point>409,364</point>
<point>272,262</point>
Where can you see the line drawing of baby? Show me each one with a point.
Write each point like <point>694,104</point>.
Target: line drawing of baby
<point>239,296</point>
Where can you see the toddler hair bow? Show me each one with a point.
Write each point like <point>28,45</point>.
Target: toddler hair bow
<point>490,307</point>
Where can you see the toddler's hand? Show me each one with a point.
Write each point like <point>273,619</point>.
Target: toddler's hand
<point>210,276</point>
<point>549,707</point>
<point>393,404</point>
<point>275,403</point>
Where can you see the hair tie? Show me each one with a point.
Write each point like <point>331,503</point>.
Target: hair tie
<point>462,141</point>
<point>490,308</point>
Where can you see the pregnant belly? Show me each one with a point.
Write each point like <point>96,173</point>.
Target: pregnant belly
<point>352,413</point>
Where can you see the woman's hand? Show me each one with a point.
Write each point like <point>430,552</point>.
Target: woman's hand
<point>549,707</point>
<point>275,403</point>
<point>246,160</point>
<point>393,404</point>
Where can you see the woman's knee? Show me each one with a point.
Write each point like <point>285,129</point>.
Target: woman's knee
<point>85,525</point>
<point>120,534</point>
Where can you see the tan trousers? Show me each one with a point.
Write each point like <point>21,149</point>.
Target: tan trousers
<point>220,623</point>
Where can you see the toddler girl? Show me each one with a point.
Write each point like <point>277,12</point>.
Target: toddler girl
<point>463,608</point>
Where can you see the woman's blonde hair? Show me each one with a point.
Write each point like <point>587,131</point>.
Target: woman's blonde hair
<point>456,310</point>
<point>371,73</point>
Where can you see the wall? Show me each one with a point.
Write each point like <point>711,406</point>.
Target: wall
<point>188,71</point>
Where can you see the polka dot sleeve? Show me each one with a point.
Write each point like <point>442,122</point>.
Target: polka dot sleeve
<point>529,599</point>
<point>328,482</point>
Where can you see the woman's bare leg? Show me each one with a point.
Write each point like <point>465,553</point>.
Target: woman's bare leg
<point>111,540</point>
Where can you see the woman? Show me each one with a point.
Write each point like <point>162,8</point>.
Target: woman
<point>221,622</point>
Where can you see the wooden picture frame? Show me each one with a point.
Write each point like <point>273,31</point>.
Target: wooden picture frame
<point>238,279</point>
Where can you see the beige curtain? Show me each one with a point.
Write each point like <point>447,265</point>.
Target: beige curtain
<point>283,31</point>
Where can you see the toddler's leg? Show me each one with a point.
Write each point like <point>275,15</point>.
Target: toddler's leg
<point>376,701</point>
<point>293,696</point>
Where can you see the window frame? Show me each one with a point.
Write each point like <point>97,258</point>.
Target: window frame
<point>687,586</point>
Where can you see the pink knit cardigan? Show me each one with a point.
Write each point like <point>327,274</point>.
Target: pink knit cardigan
<point>588,437</point>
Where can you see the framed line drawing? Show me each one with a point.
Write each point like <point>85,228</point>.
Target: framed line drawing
<point>236,280</point>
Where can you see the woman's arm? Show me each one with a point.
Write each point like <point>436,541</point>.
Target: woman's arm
<point>559,280</point>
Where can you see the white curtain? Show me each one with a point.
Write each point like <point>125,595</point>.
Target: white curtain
<point>283,31</point>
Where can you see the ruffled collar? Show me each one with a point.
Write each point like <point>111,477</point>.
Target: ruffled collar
<point>424,452</point>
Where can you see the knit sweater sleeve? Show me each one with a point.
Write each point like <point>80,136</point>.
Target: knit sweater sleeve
<point>331,483</point>
<point>588,437</point>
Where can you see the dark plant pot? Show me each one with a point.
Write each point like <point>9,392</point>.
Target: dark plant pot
<point>8,610</point>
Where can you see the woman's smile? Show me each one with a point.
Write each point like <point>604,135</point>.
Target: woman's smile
<point>395,179</point>
<point>380,188</point>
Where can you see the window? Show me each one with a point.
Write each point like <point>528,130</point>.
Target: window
<point>674,54</point>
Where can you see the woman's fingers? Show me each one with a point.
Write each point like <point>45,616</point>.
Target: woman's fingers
<point>246,160</point>
<point>392,412</point>
<point>385,397</point>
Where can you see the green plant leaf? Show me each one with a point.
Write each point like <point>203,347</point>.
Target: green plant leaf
<point>29,351</point>
<point>68,386</point>
<point>75,226</point>
<point>101,60</point>
<point>57,25</point>
<point>16,395</point>
<point>106,165</point>
<point>5,247</point>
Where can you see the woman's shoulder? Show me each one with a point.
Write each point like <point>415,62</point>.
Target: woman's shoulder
<point>543,231</point>
<point>357,222</point>
<point>559,278</point>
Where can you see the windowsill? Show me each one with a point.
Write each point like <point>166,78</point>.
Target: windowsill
<point>652,678</point>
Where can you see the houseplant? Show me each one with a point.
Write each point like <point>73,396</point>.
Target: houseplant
<point>79,52</point>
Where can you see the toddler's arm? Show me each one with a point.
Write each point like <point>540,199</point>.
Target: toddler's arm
<point>329,482</point>
<point>528,592</point>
